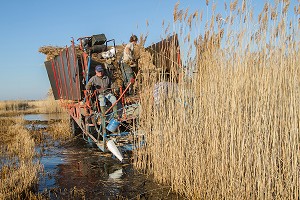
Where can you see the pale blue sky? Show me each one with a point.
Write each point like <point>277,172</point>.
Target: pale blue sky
<point>27,25</point>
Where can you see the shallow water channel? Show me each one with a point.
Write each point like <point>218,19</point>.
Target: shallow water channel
<point>79,170</point>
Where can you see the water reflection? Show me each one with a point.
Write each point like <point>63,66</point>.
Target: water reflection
<point>116,175</point>
<point>77,170</point>
<point>47,180</point>
<point>43,117</point>
<point>34,127</point>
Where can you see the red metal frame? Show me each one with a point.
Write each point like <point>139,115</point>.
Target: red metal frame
<point>81,109</point>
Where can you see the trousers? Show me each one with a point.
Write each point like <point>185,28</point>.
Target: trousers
<point>128,73</point>
<point>103,97</point>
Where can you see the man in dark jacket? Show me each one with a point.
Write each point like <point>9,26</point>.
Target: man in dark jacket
<point>102,84</point>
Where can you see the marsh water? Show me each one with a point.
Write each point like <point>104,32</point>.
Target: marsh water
<point>79,170</point>
<point>43,117</point>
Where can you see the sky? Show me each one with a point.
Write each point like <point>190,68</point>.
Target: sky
<point>28,25</point>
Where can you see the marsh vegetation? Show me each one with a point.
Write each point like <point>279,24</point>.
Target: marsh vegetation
<point>19,162</point>
<point>231,131</point>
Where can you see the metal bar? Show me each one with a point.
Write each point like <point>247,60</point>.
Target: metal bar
<point>88,69</point>
<point>119,98</point>
<point>69,73</point>
<point>75,70</point>
<point>55,77</point>
<point>64,74</point>
<point>100,146</point>
<point>103,130</point>
<point>59,79</point>
<point>123,102</point>
<point>84,63</point>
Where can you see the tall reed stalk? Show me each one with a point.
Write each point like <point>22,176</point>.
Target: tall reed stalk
<point>231,131</point>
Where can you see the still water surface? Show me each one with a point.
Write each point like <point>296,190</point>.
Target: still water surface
<point>43,117</point>
<point>80,170</point>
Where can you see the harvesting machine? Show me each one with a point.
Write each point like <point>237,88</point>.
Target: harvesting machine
<point>69,71</point>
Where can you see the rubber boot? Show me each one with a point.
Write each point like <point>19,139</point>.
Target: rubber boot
<point>115,110</point>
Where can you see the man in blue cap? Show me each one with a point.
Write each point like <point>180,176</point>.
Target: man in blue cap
<point>102,84</point>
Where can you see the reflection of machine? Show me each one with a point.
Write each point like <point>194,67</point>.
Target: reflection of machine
<point>68,74</point>
<point>116,175</point>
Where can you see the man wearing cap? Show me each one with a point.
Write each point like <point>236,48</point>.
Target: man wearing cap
<point>102,84</point>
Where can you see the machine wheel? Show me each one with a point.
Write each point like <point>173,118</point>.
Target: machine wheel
<point>76,130</point>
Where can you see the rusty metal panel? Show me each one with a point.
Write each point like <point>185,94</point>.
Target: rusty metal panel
<point>53,83</point>
<point>60,76</point>
<point>63,73</point>
<point>75,74</point>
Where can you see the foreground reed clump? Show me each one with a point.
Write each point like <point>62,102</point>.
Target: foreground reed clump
<point>19,171</point>
<point>231,131</point>
<point>61,129</point>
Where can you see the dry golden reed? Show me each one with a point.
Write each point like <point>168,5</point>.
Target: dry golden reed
<point>52,51</point>
<point>19,107</point>
<point>61,130</point>
<point>19,172</point>
<point>233,5</point>
<point>230,130</point>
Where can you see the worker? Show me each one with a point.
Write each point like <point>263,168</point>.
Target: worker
<point>102,84</point>
<point>129,60</point>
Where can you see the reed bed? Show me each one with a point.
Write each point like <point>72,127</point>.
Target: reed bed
<point>48,105</point>
<point>18,107</point>
<point>61,129</point>
<point>19,171</point>
<point>19,167</point>
<point>229,128</point>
